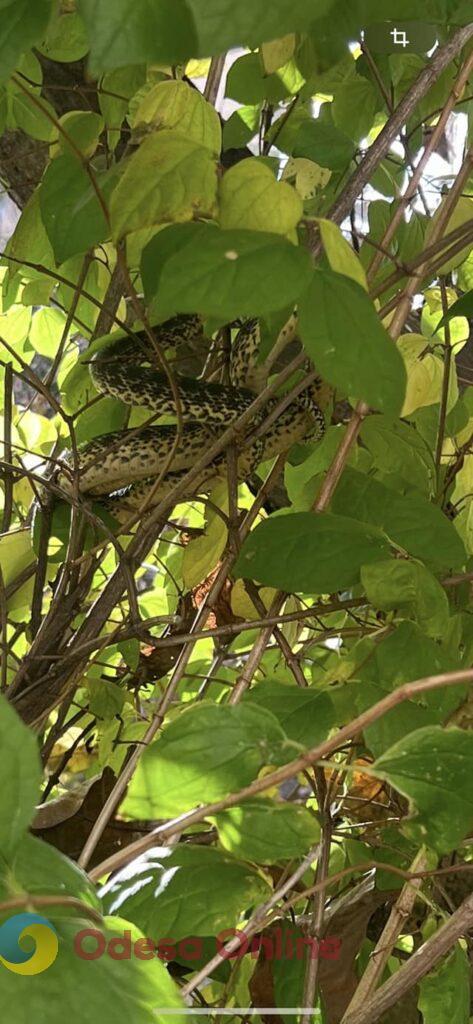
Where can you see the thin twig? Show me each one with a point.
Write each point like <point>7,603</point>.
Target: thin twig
<point>7,448</point>
<point>447,363</point>
<point>254,923</point>
<point>318,908</point>
<point>419,964</point>
<point>214,78</point>
<point>405,692</point>
<point>414,182</point>
<point>391,931</point>
<point>432,71</point>
<point>176,676</point>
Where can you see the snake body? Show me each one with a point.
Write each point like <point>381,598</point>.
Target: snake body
<point>122,466</point>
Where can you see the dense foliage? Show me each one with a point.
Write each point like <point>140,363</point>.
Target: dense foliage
<point>249,710</point>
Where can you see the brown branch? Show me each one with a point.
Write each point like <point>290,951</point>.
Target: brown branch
<point>420,963</point>
<point>438,226</point>
<point>441,59</point>
<point>176,676</point>
<point>405,692</point>
<point>255,922</point>
<point>391,931</point>
<point>445,381</point>
<point>318,910</point>
<point>337,213</point>
<point>214,78</point>
<point>7,448</point>
<point>34,711</point>
<point>414,182</point>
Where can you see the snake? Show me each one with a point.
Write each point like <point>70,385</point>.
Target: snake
<point>120,469</point>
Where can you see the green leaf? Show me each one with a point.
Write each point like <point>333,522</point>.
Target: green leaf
<point>462,213</point>
<point>66,38</point>
<point>106,698</point>
<point>306,716</point>
<point>303,480</point>
<point>16,554</point>
<point>432,767</point>
<point>22,24</point>
<point>117,89</point>
<point>171,31</point>
<point>21,778</point>
<point>402,656</point>
<point>188,890</point>
<point>46,331</point>
<point>201,555</point>
<point>462,307</point>
<point>315,553</point>
<point>176,106</point>
<point>226,274</point>
<point>37,433</point>
<point>38,868</point>
<point>144,32</point>
<point>32,119</point>
<point>71,211</point>
<point>241,126</point>
<point>130,651</point>
<point>276,54</point>
<point>354,106</point>
<point>340,254</point>
<point>14,329</point>
<point>395,584</point>
<point>399,449</point>
<point>221,24</point>
<point>169,178</point>
<point>106,415</point>
<point>267,832</point>
<point>247,83</point>
<point>425,373</point>
<point>29,241</point>
<point>127,986</point>
<point>409,520</point>
<point>326,145</point>
<point>59,532</point>
<point>288,970</point>
<point>251,198</point>
<point>347,343</point>
<point>84,128</point>
<point>306,177</point>
<point>206,753</point>
<point>444,994</point>
<point>433,306</point>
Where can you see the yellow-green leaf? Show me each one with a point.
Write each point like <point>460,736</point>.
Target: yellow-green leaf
<point>203,553</point>
<point>84,127</point>
<point>175,105</point>
<point>169,178</point>
<point>274,55</point>
<point>462,213</point>
<point>16,553</point>
<point>46,331</point>
<point>251,198</point>
<point>424,375</point>
<point>37,433</point>
<point>241,602</point>
<point>306,175</point>
<point>339,253</point>
<point>458,327</point>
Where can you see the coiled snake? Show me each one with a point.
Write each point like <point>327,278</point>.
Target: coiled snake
<point>121,468</point>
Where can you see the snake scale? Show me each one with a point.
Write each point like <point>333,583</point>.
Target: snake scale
<point>121,468</point>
